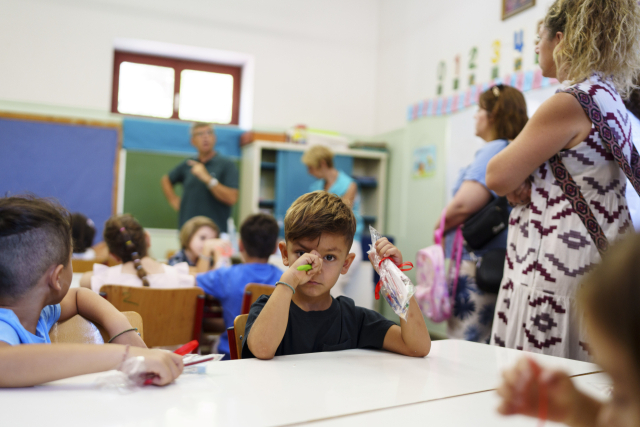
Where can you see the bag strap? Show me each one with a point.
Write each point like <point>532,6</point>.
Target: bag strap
<point>438,235</point>
<point>456,256</point>
<point>632,171</point>
<point>569,187</point>
<point>580,206</point>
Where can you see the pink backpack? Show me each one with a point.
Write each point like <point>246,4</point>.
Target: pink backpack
<point>432,290</point>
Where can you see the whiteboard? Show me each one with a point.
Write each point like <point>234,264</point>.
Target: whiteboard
<point>462,144</point>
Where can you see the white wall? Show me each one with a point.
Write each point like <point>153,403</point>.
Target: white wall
<point>415,35</point>
<point>314,60</point>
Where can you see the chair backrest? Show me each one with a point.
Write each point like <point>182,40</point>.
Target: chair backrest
<point>170,253</point>
<point>236,335</point>
<point>252,292</point>
<point>79,330</point>
<point>170,316</point>
<point>82,265</point>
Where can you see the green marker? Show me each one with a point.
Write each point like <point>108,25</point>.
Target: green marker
<point>305,267</point>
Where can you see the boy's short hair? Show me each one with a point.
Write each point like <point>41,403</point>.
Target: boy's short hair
<point>259,234</point>
<point>315,155</point>
<point>192,226</point>
<point>317,213</point>
<point>35,234</point>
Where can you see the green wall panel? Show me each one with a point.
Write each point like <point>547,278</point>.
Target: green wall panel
<point>143,196</point>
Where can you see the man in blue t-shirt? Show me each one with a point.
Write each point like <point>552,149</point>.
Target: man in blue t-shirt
<point>259,236</point>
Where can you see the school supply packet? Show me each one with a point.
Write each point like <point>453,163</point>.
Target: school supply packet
<point>394,285</point>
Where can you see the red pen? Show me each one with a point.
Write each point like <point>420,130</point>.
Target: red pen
<point>182,351</point>
<point>187,348</point>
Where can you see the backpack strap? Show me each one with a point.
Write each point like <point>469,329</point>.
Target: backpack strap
<point>580,206</point>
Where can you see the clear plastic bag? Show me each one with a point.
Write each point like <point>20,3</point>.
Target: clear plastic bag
<point>133,372</point>
<point>130,375</point>
<point>396,286</point>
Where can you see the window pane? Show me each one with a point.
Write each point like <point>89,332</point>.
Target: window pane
<point>146,90</point>
<point>205,96</point>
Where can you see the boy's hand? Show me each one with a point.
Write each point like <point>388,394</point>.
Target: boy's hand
<point>164,365</point>
<point>132,338</point>
<point>294,277</point>
<point>385,249</point>
<point>521,392</point>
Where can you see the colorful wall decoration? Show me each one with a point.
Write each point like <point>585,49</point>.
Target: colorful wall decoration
<point>523,81</point>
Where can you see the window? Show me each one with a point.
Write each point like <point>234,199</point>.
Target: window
<point>155,86</point>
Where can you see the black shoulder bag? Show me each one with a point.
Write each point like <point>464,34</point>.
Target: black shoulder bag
<point>478,231</point>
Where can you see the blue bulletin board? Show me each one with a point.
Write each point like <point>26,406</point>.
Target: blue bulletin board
<point>74,164</point>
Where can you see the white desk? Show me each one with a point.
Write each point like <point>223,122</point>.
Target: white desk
<point>286,390</point>
<point>75,280</point>
<point>477,410</point>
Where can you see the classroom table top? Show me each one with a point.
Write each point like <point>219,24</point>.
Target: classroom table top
<point>476,409</point>
<point>285,390</point>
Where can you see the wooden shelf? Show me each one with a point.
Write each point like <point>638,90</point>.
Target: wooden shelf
<point>267,204</point>
<point>273,176</point>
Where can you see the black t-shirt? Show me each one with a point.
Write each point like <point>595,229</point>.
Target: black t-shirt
<point>342,326</point>
<point>196,196</point>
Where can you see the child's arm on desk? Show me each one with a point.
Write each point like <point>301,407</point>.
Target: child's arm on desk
<point>411,338</point>
<point>268,329</point>
<point>93,307</point>
<point>522,395</point>
<point>32,364</point>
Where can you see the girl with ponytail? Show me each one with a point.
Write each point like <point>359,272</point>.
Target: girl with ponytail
<point>565,174</point>
<point>128,242</point>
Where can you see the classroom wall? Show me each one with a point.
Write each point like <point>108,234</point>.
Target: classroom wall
<point>314,61</point>
<point>415,35</point>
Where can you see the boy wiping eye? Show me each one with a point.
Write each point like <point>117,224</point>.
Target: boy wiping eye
<point>35,276</point>
<point>301,316</point>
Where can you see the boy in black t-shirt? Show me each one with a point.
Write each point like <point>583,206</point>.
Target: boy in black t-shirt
<point>301,316</point>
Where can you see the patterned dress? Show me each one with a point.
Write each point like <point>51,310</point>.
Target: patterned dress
<point>549,250</point>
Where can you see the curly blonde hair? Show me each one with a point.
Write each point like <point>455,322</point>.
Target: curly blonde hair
<point>601,37</point>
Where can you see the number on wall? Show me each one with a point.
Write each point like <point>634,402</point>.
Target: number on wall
<point>495,59</point>
<point>442,70</point>
<point>518,45</point>
<point>456,76</point>
<point>473,56</point>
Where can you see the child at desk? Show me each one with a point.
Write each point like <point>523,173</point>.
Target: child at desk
<point>128,242</point>
<point>301,316</point>
<point>610,298</point>
<point>258,238</point>
<point>35,275</point>
<point>202,248</point>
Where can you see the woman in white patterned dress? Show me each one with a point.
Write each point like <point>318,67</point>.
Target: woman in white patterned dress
<point>593,46</point>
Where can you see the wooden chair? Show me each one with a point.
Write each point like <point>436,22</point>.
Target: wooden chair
<point>235,334</point>
<point>252,292</point>
<point>79,330</point>
<point>82,265</point>
<point>170,316</point>
<point>170,253</point>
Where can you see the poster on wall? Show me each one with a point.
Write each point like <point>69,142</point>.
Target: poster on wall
<point>513,7</point>
<point>424,162</point>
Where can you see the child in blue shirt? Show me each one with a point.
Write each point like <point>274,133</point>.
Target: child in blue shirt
<point>35,276</point>
<point>258,239</point>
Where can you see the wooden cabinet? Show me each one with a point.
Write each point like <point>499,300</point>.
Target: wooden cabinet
<point>272,177</point>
